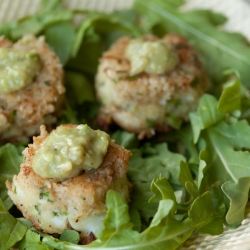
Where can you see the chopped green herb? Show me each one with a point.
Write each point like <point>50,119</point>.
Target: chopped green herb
<point>55,213</point>
<point>60,213</point>
<point>42,194</point>
<point>63,213</point>
<point>37,208</point>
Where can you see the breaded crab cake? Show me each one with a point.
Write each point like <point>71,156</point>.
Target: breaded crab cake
<point>149,84</point>
<point>31,87</point>
<point>56,204</point>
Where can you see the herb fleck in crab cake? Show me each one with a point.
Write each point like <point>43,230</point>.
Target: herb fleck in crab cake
<point>65,176</point>
<point>149,84</point>
<point>31,87</point>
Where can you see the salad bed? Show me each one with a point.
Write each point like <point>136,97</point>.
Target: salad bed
<point>196,178</point>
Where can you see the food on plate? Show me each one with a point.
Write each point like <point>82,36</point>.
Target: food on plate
<point>149,84</point>
<point>31,87</point>
<point>194,179</point>
<point>63,181</point>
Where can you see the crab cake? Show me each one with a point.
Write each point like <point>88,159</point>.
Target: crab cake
<point>149,84</point>
<point>78,202</point>
<point>31,87</point>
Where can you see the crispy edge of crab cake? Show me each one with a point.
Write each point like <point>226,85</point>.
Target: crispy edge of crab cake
<point>132,101</point>
<point>77,203</point>
<point>23,111</point>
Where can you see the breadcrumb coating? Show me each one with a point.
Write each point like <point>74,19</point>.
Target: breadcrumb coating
<point>146,103</point>
<point>76,203</point>
<point>23,111</point>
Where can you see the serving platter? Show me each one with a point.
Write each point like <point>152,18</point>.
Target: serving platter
<point>238,13</point>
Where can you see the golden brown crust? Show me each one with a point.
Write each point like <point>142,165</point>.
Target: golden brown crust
<point>130,101</point>
<point>26,109</point>
<point>82,197</point>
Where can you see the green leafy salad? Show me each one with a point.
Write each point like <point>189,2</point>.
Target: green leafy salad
<point>196,178</point>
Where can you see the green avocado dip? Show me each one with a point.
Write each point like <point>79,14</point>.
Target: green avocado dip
<point>17,68</point>
<point>155,57</point>
<point>68,150</point>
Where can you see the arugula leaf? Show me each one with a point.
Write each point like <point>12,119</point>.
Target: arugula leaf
<point>70,236</point>
<point>125,139</point>
<point>211,111</point>
<point>80,100</point>
<point>91,52</point>
<point>162,190</point>
<point>149,163</point>
<point>237,203</point>
<point>68,116</point>
<point>185,174</point>
<point>209,220</point>
<point>160,234</point>
<point>80,105</point>
<point>24,26</point>
<point>135,218</point>
<point>208,111</point>
<point>117,219</point>
<point>94,35</point>
<point>61,44</point>
<point>102,23</point>
<point>139,202</point>
<point>79,89</point>
<point>10,160</point>
<point>52,242</point>
<point>214,226</point>
<point>204,158</point>
<point>162,162</point>
<point>229,164</point>
<point>50,5</point>
<point>164,229</point>
<point>32,241</point>
<point>230,99</point>
<point>51,12</point>
<point>11,230</point>
<point>202,32</point>
<point>206,115</point>
<point>34,24</point>
<point>225,156</point>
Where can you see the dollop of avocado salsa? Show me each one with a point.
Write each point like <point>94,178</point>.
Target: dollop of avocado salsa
<point>155,57</point>
<point>17,68</point>
<point>67,151</point>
